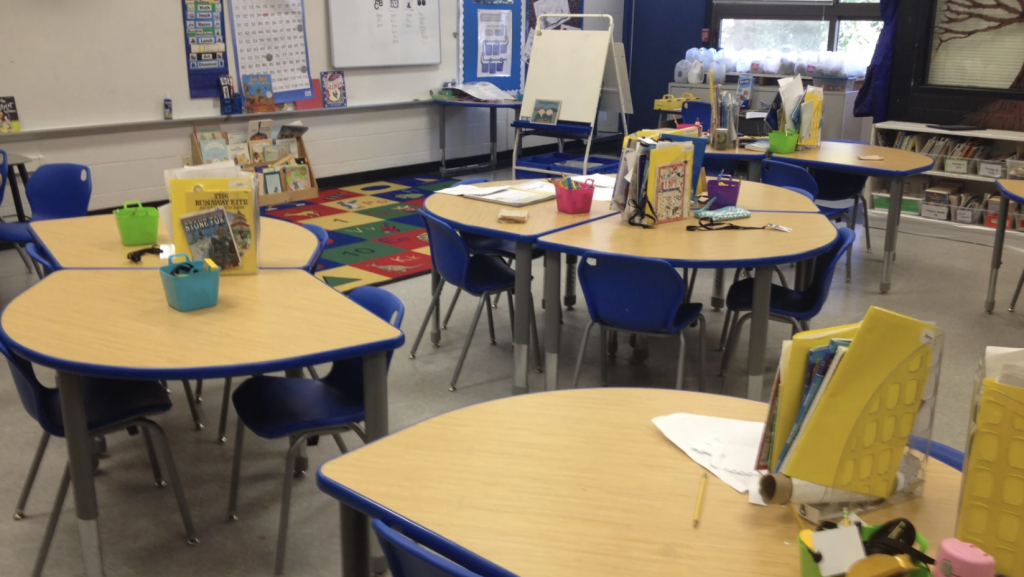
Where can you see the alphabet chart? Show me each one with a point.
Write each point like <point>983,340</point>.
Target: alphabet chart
<point>270,38</point>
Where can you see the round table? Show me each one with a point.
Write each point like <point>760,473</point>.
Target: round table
<point>117,324</point>
<point>587,486</point>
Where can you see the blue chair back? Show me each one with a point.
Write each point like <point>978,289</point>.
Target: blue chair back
<point>693,111</point>
<point>59,191</point>
<point>321,239</point>
<point>31,391</point>
<point>631,293</point>
<point>427,555</point>
<point>387,307</point>
<point>37,255</point>
<point>791,176</point>
<point>942,453</point>
<point>825,267</point>
<point>448,250</point>
<point>3,174</point>
<point>469,181</point>
<point>833,185</point>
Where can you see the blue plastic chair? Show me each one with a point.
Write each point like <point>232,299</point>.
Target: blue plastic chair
<point>276,407</point>
<point>785,304</point>
<point>799,179</point>
<point>643,296</point>
<point>941,453</point>
<point>482,275</point>
<point>43,266</point>
<point>839,186</point>
<point>110,406</point>
<point>321,238</point>
<point>420,553</point>
<point>59,191</point>
<point>16,233</point>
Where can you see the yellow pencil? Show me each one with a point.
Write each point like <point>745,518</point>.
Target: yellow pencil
<point>700,499</point>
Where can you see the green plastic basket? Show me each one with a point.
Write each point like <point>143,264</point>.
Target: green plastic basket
<point>809,568</point>
<point>137,224</point>
<point>782,142</point>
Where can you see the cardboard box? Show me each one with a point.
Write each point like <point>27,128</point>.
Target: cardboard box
<point>272,199</point>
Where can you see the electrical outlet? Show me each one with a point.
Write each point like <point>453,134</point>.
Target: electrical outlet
<point>186,160</point>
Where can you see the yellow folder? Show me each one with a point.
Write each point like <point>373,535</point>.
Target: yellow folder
<point>992,499</point>
<point>855,437</point>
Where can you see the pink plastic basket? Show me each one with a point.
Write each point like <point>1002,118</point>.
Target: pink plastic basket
<point>574,201</point>
<point>725,191</point>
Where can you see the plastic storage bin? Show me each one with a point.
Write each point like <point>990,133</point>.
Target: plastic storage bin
<point>992,169</point>
<point>1015,169</point>
<point>725,191</point>
<point>782,142</point>
<point>910,205</point>
<point>574,200</point>
<point>834,83</point>
<point>564,163</point>
<point>137,224</point>
<point>188,292</point>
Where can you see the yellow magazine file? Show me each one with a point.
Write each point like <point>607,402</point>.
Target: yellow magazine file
<point>854,439</point>
<point>236,196</point>
<point>992,498</point>
<point>791,389</point>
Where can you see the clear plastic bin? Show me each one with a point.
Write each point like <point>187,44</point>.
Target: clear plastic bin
<point>1015,169</point>
<point>992,168</point>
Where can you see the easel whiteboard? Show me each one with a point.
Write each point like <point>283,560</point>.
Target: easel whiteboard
<point>376,33</point>
<point>568,65</point>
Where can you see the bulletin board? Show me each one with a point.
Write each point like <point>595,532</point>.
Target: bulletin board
<point>491,38</point>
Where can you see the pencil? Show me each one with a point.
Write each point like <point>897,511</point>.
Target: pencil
<point>700,499</point>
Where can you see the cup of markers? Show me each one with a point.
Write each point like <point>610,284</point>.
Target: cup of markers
<point>574,197</point>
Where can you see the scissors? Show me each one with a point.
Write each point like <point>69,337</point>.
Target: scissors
<point>709,224</point>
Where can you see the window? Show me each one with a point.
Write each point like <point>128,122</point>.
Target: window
<point>849,26</point>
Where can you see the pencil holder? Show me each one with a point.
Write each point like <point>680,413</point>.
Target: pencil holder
<point>725,191</point>
<point>809,567</point>
<point>137,224</point>
<point>782,142</point>
<point>196,289</point>
<point>574,201</point>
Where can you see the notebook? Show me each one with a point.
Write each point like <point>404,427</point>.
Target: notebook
<point>514,197</point>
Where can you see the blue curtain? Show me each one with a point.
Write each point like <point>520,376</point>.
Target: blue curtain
<point>873,98</point>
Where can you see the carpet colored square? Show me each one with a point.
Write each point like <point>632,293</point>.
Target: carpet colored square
<point>376,237</point>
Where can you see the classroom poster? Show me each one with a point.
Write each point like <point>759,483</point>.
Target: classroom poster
<point>205,47</point>
<point>270,38</point>
<point>494,43</point>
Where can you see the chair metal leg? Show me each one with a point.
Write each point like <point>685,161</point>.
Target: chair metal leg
<point>164,385</point>
<point>286,504</point>
<point>867,227</point>
<point>579,357</point>
<point>679,364</point>
<point>490,320</point>
<point>236,468</point>
<point>734,337</point>
<point>795,323</point>
<point>469,338</point>
<point>39,270</point>
<point>199,391</point>
<point>511,314</point>
<point>51,524</point>
<point>604,358</point>
<point>725,329</point>
<point>451,307</point>
<point>196,418</point>
<point>805,325</point>
<point>158,479</point>
<point>172,472</point>
<point>340,442</point>
<point>426,318</point>
<point>1016,293</point>
<point>536,339</point>
<point>24,256</point>
<point>30,479</point>
<point>225,404</point>
<point>312,373</point>
<point>701,346</point>
<point>782,277</point>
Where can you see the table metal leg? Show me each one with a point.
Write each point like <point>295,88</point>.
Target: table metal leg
<point>19,208</point>
<point>521,338</point>
<point>718,291</point>
<point>375,393</point>
<point>997,253</point>
<point>444,113</point>
<point>494,138</point>
<point>80,449</point>
<point>891,230</point>
<point>552,318</point>
<point>754,170</point>
<point>435,327</point>
<point>758,331</point>
<point>569,300</point>
<point>355,543</point>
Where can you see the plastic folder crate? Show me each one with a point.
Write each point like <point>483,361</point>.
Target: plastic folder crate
<point>565,163</point>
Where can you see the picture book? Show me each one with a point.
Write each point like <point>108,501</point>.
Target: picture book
<point>208,132</point>
<point>237,137</point>
<point>546,111</point>
<point>209,237</point>
<point>235,196</point>
<point>275,152</point>
<point>9,115</point>
<point>669,180</point>
<point>256,148</point>
<point>764,450</point>
<point>214,150</point>
<point>239,152</point>
<point>259,93</point>
<point>296,177</point>
<point>291,144</point>
<point>272,183</point>
<point>292,130</point>
<point>260,129</point>
<point>315,102</point>
<point>333,86</point>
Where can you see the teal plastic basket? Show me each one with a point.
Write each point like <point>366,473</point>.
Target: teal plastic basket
<point>189,292</point>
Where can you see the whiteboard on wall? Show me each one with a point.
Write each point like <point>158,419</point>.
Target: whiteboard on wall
<point>373,33</point>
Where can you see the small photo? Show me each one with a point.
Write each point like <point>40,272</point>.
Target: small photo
<point>546,111</point>
<point>272,182</point>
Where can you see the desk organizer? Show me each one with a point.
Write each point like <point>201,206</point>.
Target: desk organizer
<point>189,292</point>
<point>137,224</point>
<point>809,568</point>
<point>725,191</point>
<point>574,201</point>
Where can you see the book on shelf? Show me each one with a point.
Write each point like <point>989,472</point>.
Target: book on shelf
<point>208,132</point>
<point>239,152</point>
<point>9,121</point>
<point>214,150</point>
<point>258,92</point>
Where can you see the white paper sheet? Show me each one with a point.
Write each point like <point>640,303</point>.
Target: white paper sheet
<point>604,194</point>
<point>536,186</point>
<point>716,443</point>
<point>600,180</point>
<point>470,190</point>
<point>484,91</point>
<point>792,91</point>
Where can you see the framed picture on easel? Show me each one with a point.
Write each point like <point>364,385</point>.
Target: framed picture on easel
<point>546,111</point>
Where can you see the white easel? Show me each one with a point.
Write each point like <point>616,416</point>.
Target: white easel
<point>578,68</point>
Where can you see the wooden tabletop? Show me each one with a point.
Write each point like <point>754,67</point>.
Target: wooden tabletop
<point>117,323</point>
<point>739,151</point>
<point>812,234</point>
<point>479,216</point>
<point>93,242</point>
<point>845,157</point>
<point>759,196</point>
<point>581,483</point>
<point>1014,189</point>
<point>16,159</point>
